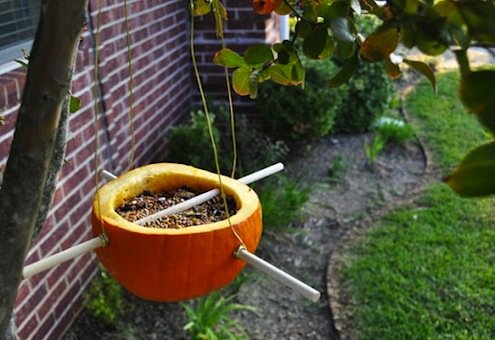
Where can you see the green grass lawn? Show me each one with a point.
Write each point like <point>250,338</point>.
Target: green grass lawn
<point>428,270</point>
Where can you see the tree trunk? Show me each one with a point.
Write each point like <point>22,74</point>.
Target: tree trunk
<point>34,146</point>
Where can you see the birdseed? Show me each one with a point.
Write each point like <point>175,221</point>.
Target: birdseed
<point>149,203</point>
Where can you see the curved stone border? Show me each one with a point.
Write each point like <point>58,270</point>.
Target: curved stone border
<point>337,299</point>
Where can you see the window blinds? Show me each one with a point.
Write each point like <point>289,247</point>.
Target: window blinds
<point>18,21</point>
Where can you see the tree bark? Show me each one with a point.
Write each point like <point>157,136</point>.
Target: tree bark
<point>34,146</point>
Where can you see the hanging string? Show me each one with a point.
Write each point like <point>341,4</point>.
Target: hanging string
<point>131,82</point>
<point>208,122</point>
<point>231,113</point>
<point>96,110</point>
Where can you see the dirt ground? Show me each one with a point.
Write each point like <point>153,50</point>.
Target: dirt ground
<point>340,199</point>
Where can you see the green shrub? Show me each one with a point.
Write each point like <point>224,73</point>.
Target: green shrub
<point>104,299</point>
<point>294,114</point>
<point>255,149</point>
<point>367,93</point>
<point>190,143</point>
<point>366,97</point>
<point>209,318</point>
<point>282,200</point>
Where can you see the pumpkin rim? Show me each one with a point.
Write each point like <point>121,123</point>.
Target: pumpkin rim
<point>246,199</point>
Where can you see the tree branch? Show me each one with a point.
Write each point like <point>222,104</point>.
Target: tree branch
<point>32,153</point>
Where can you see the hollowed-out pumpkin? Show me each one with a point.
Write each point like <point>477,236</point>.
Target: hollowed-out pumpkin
<point>173,264</point>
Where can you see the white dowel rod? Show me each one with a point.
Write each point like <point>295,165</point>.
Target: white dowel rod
<point>255,176</point>
<point>107,175</point>
<point>65,255</point>
<point>278,274</point>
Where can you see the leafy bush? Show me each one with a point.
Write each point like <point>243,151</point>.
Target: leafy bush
<point>104,299</point>
<point>190,143</point>
<point>255,149</point>
<point>367,93</point>
<point>366,97</point>
<point>209,318</point>
<point>282,200</point>
<point>294,114</point>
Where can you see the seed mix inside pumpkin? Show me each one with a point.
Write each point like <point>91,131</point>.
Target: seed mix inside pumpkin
<point>149,203</point>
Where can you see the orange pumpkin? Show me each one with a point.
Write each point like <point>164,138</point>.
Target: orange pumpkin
<point>265,6</point>
<point>173,264</point>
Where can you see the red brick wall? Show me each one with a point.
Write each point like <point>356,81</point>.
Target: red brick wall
<point>49,301</point>
<point>163,92</point>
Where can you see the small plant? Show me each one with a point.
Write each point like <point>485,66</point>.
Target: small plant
<point>282,201</point>
<point>336,169</point>
<point>104,299</point>
<point>373,150</point>
<point>393,129</point>
<point>209,318</point>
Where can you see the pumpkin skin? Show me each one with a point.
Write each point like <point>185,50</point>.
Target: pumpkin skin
<point>173,264</point>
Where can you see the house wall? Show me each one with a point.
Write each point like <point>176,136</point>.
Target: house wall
<point>48,302</point>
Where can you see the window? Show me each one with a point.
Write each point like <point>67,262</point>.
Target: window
<point>18,21</point>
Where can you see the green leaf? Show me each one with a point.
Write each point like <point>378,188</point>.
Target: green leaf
<point>286,74</point>
<point>303,28</point>
<point>22,62</point>
<point>298,74</point>
<point>346,72</point>
<point>201,7</point>
<point>425,70</point>
<point>344,49</point>
<point>380,44</point>
<point>477,93</point>
<point>328,50</point>
<point>341,29</point>
<point>283,57</point>
<point>258,54</point>
<point>253,85</point>
<point>240,81</point>
<point>74,104</point>
<point>315,42</point>
<point>229,58</point>
<point>474,177</point>
<point>478,17</point>
<point>431,42</point>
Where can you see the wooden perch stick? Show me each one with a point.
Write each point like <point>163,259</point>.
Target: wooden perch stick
<point>277,274</point>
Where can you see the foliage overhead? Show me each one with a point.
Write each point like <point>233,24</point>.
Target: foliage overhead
<point>327,29</point>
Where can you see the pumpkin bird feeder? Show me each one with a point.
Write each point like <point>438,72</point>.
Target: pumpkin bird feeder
<point>176,264</point>
<point>165,264</point>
